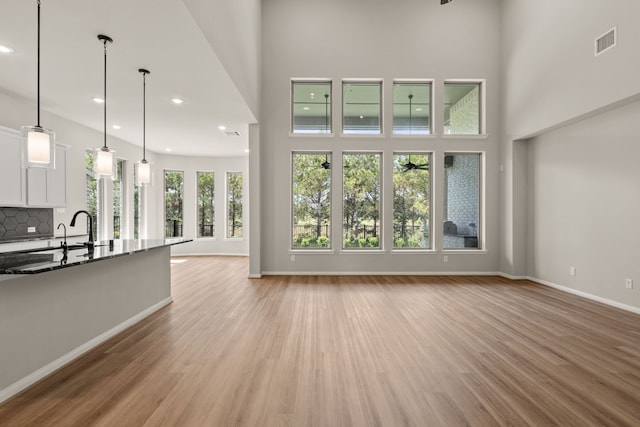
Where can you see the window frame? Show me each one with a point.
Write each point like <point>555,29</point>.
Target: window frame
<point>292,112</point>
<point>432,156</point>
<point>226,204</point>
<point>363,81</point>
<point>330,247</point>
<point>164,193</point>
<point>481,226</point>
<point>381,220</point>
<point>431,84</point>
<point>197,203</point>
<point>482,107</point>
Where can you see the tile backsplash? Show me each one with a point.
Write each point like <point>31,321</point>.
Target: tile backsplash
<point>25,223</point>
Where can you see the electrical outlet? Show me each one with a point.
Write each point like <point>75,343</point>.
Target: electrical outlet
<point>572,271</point>
<point>445,258</point>
<point>628,283</point>
<point>293,258</point>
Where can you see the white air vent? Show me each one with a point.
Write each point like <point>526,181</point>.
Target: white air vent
<point>232,133</point>
<point>606,41</point>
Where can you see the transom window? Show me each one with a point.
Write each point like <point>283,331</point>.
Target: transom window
<point>361,107</point>
<point>311,107</point>
<point>411,108</point>
<point>462,108</point>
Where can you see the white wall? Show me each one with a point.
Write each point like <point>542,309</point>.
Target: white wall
<point>232,28</point>
<point>190,166</point>
<point>584,205</point>
<point>381,39</point>
<point>550,77</point>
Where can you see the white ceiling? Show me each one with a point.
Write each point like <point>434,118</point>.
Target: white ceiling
<point>159,35</point>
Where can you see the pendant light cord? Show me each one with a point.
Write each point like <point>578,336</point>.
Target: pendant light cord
<point>105,93</point>
<point>144,117</point>
<point>38,101</point>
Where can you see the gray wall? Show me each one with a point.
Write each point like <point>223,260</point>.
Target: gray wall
<point>386,40</point>
<point>584,205</point>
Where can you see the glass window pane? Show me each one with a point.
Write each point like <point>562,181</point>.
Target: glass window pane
<point>361,109</point>
<point>412,108</point>
<point>361,201</point>
<point>462,108</point>
<point>206,206</point>
<point>174,198</point>
<point>311,109</point>
<point>311,204</point>
<point>462,200</point>
<point>92,190</point>
<point>136,205</point>
<point>411,201</point>
<point>234,205</point>
<point>117,200</point>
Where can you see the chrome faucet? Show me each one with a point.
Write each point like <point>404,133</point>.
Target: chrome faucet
<point>90,243</point>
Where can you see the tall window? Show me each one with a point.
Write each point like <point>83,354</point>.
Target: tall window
<point>361,200</point>
<point>462,200</point>
<point>136,205</point>
<point>311,204</point>
<point>206,207</point>
<point>173,206</point>
<point>234,205</point>
<point>92,190</point>
<point>311,107</point>
<point>411,201</point>
<point>462,108</point>
<point>361,107</point>
<point>411,108</point>
<point>118,186</point>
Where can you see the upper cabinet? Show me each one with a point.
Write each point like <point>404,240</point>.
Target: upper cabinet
<point>12,175</point>
<point>32,187</point>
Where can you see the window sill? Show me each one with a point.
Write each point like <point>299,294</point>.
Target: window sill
<point>363,251</point>
<point>311,252</point>
<point>464,251</point>
<point>233,239</point>
<point>362,135</point>
<point>463,136</point>
<point>414,251</point>
<point>311,135</point>
<point>417,136</point>
<point>205,239</point>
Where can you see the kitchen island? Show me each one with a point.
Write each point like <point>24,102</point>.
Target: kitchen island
<point>54,308</point>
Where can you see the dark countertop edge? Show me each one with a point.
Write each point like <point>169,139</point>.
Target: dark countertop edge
<point>17,272</point>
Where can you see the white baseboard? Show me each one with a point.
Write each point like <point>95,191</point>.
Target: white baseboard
<point>254,276</point>
<point>64,360</point>
<point>511,277</point>
<point>586,295</point>
<point>380,273</point>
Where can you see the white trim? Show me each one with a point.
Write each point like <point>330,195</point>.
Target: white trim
<point>311,135</point>
<point>465,136</point>
<point>254,276</point>
<point>414,251</point>
<point>327,251</point>
<point>414,136</point>
<point>586,295</point>
<point>452,251</point>
<point>380,273</point>
<point>179,255</point>
<point>362,135</point>
<point>511,277</point>
<point>64,360</point>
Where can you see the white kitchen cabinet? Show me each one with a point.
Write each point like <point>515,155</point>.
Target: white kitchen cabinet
<point>48,187</point>
<point>12,175</point>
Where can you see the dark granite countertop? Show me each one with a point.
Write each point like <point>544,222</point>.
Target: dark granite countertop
<point>32,262</point>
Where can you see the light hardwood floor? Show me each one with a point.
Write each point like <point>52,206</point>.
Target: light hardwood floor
<point>351,351</point>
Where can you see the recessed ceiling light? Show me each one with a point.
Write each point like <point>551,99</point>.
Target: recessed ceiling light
<point>167,149</point>
<point>222,127</point>
<point>177,101</point>
<point>98,100</point>
<point>116,127</point>
<point>312,94</point>
<point>6,49</point>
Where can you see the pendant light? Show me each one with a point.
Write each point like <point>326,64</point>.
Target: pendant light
<point>143,167</point>
<point>105,158</point>
<point>39,144</point>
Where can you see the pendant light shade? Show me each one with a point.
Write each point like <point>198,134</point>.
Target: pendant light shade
<point>144,172</point>
<point>105,163</point>
<point>38,143</point>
